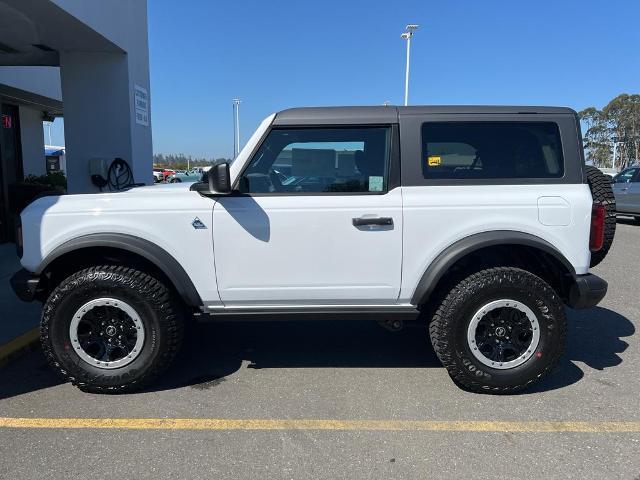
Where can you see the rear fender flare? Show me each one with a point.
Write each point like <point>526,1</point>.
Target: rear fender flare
<point>456,251</point>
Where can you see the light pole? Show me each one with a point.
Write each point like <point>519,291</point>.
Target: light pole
<point>616,142</point>
<point>236,127</point>
<point>48,124</point>
<point>407,36</point>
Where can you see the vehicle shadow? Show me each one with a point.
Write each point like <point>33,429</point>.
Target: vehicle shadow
<point>216,350</point>
<point>595,338</point>
<point>27,374</point>
<point>248,214</point>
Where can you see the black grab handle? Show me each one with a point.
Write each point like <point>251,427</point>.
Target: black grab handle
<point>362,221</point>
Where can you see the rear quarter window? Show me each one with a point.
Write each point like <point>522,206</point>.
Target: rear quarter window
<point>491,150</point>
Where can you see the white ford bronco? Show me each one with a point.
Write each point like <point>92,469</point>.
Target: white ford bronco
<point>481,221</point>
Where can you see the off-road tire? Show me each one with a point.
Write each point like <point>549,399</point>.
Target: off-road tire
<point>448,329</point>
<point>601,191</point>
<point>160,311</point>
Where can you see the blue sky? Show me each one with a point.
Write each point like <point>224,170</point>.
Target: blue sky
<point>279,54</point>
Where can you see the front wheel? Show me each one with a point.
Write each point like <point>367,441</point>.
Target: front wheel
<point>499,330</point>
<point>111,329</point>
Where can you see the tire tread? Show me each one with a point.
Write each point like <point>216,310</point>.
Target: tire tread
<point>601,191</point>
<point>144,284</point>
<point>441,324</point>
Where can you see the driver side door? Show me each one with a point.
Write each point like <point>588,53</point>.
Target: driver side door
<point>317,221</point>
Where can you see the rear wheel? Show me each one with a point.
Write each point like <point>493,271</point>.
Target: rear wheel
<point>111,329</point>
<point>601,191</point>
<point>499,330</point>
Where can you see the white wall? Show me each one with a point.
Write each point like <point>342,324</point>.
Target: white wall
<point>98,92</point>
<point>32,140</point>
<point>96,113</point>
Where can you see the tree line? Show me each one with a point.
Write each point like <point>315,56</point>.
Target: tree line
<point>614,128</point>
<point>180,161</point>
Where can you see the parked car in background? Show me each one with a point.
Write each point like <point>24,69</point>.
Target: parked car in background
<point>158,176</point>
<point>182,176</point>
<point>626,188</point>
<point>167,172</point>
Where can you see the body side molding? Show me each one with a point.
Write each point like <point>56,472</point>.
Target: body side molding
<point>139,246</point>
<point>450,255</point>
<point>311,312</point>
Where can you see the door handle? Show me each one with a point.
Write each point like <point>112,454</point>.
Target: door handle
<point>362,221</point>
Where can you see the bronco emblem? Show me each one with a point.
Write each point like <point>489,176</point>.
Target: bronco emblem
<point>197,224</point>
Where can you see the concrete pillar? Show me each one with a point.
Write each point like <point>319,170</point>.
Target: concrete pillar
<point>32,140</point>
<point>101,118</point>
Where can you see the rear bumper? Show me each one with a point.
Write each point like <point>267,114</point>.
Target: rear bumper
<point>25,285</point>
<point>586,291</point>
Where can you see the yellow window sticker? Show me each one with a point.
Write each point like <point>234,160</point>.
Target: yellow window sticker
<point>434,160</point>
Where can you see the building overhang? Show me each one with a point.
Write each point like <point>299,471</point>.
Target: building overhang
<point>48,105</point>
<point>32,33</point>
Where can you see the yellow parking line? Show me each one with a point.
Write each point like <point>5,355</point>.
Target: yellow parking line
<point>14,347</point>
<point>317,424</point>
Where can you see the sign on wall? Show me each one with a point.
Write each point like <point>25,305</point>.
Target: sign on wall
<point>141,100</point>
<point>6,121</point>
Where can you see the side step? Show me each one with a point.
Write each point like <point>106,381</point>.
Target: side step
<point>330,312</point>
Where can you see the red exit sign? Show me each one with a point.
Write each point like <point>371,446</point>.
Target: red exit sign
<point>6,121</point>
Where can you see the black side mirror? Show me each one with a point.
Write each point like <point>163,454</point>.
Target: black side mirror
<point>219,178</point>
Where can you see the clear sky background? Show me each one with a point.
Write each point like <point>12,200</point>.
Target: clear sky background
<point>279,54</point>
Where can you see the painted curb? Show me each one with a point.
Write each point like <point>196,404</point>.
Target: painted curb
<point>18,346</point>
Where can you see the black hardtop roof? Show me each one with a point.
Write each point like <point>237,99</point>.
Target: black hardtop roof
<point>389,114</point>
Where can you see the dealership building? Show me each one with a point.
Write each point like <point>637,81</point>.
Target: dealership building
<point>86,61</point>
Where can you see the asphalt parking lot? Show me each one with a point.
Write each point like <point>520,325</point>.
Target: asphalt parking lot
<point>342,400</point>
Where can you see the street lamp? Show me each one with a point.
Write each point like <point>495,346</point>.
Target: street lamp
<point>407,36</point>
<point>616,142</point>
<point>49,124</point>
<point>236,127</point>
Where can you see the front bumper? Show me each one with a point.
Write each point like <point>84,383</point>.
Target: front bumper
<point>25,285</point>
<point>586,291</point>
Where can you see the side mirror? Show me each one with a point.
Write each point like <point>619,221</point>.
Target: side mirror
<point>219,178</point>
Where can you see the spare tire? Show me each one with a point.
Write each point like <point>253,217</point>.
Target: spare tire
<point>601,191</point>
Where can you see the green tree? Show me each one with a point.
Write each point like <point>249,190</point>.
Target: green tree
<point>623,115</point>
<point>617,123</point>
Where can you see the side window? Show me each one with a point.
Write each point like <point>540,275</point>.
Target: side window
<point>491,150</point>
<point>320,160</point>
<point>626,176</point>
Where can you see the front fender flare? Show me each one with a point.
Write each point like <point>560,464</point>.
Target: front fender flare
<point>450,255</point>
<point>139,246</point>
